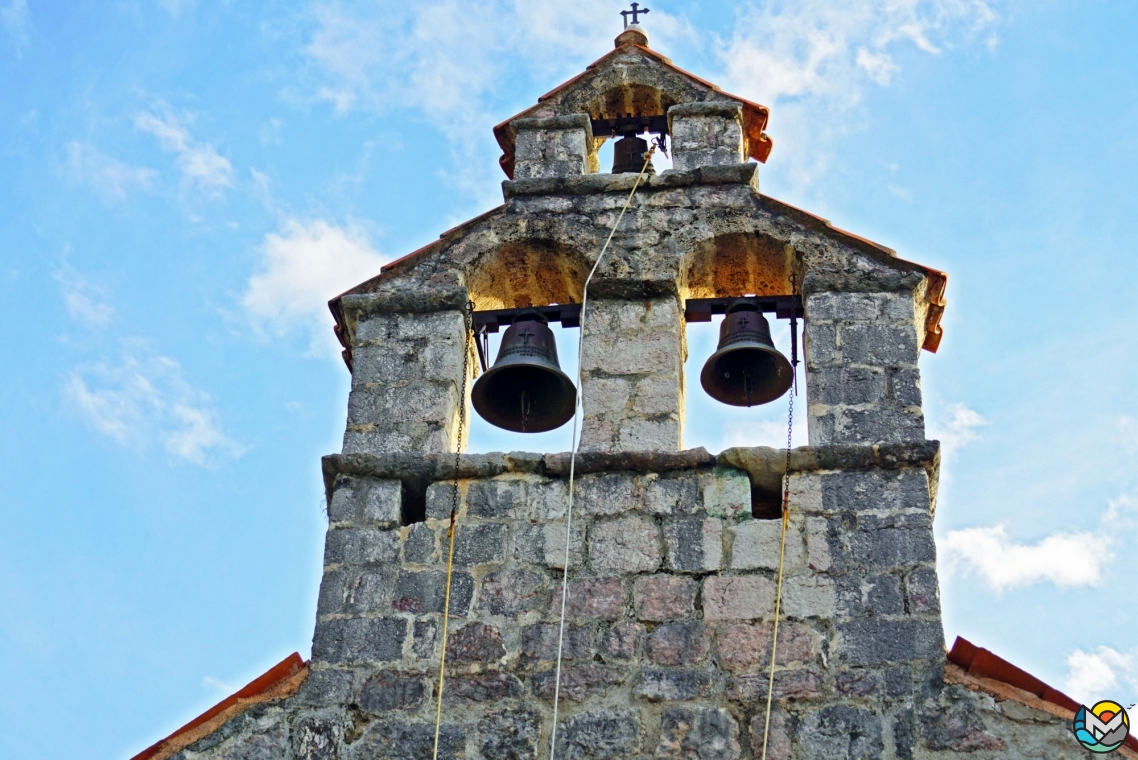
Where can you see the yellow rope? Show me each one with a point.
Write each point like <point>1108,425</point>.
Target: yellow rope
<point>446,619</point>
<point>777,611</point>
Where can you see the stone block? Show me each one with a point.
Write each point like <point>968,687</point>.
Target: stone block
<point>818,540</point>
<point>880,424</point>
<point>509,735</point>
<point>440,498</point>
<point>655,396</point>
<point>904,387</point>
<point>514,592</point>
<point>698,733</point>
<point>833,306</point>
<point>808,595</point>
<point>777,739</point>
<point>870,642</point>
<point>476,642</point>
<point>592,598</point>
<point>332,589</point>
<point>626,545</point>
<point>858,682</point>
<point>848,385</point>
<point>842,732</point>
<point>742,597</point>
<point>665,597</point>
<point>315,737</point>
<point>425,591</point>
<point>498,498</point>
<point>425,639</point>
<point>489,686</point>
<point>371,592</point>
<point>360,546</point>
<point>578,683</point>
<point>923,591</point>
<point>889,542</point>
<point>672,495</point>
<point>621,642</point>
<point>876,490</point>
<point>539,642</point>
<point>550,499</point>
<point>744,646</point>
<point>672,685</point>
<point>326,687</point>
<point>359,640</point>
<point>879,345</point>
<point>272,743</point>
<point>420,548</point>
<point>606,494</point>
<point>693,545</point>
<point>480,544</point>
<point>756,544</point>
<point>679,644</point>
<point>600,734</point>
<point>788,684</point>
<point>394,739</point>
<point>883,596</point>
<point>726,493</point>
<point>820,343</point>
<point>390,690</point>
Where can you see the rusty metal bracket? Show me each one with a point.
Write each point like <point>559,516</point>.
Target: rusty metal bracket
<point>568,314</point>
<point>702,309</point>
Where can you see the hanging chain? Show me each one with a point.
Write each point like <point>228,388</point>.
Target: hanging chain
<point>785,511</point>
<point>468,329</point>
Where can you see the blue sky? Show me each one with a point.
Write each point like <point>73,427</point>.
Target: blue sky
<point>184,184</point>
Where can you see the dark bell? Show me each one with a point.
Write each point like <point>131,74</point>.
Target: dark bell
<point>628,155</point>
<point>746,369</point>
<point>526,391</point>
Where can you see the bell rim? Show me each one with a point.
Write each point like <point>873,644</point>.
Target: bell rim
<point>478,394</point>
<point>780,359</point>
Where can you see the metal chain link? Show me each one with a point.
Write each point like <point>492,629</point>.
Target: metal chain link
<point>468,329</point>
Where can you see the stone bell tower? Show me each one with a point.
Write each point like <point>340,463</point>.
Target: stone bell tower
<point>672,578</point>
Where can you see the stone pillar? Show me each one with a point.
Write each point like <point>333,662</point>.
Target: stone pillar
<point>632,375</point>
<point>405,374</point>
<point>558,146</point>
<point>863,384</point>
<point>706,134</point>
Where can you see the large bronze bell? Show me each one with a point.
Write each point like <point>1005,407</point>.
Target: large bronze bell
<point>628,156</point>
<point>746,369</point>
<point>526,391</point>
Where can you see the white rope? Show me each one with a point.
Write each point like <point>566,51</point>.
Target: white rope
<point>577,413</point>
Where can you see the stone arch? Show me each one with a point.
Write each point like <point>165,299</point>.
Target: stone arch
<point>527,273</point>
<point>737,264</point>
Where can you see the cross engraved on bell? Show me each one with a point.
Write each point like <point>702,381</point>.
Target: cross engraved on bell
<point>526,334</point>
<point>636,11</point>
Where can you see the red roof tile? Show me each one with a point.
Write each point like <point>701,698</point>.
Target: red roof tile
<point>982,663</point>
<point>273,684</point>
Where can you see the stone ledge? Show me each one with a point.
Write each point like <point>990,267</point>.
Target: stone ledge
<point>764,465</point>
<point>727,108</point>
<point>590,184</point>
<point>570,121</point>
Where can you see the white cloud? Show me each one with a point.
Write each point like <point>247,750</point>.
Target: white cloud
<point>219,685</point>
<point>810,60</point>
<point>959,429</point>
<point>762,433</point>
<point>110,178</point>
<point>85,302</point>
<point>1065,559</point>
<point>200,164</point>
<point>142,400</point>
<point>302,267</point>
<point>1104,673</point>
<point>17,22</point>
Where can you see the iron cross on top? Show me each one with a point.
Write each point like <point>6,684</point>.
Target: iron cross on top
<point>636,11</point>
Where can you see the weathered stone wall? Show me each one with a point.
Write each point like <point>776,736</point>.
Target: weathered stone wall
<point>405,383</point>
<point>558,146</point>
<point>669,619</point>
<point>633,375</point>
<point>706,134</point>
<point>862,380</point>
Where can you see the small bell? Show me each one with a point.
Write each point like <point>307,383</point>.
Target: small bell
<point>628,155</point>
<point>526,391</point>
<point>746,369</point>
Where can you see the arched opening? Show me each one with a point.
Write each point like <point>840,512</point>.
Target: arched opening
<point>627,100</point>
<point>518,275</point>
<point>736,265</point>
<point>528,273</point>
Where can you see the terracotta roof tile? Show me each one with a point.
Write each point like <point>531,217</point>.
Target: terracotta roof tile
<point>983,666</point>
<point>280,681</point>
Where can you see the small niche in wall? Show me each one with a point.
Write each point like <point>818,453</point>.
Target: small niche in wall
<point>766,505</point>
<point>414,508</point>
